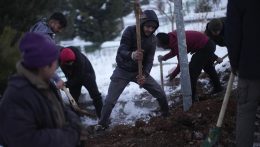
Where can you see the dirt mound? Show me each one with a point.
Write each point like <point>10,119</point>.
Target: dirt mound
<point>179,129</point>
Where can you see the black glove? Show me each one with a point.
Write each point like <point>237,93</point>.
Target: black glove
<point>160,58</point>
<point>170,76</point>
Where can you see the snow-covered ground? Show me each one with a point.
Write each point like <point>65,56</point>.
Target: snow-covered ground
<point>131,106</point>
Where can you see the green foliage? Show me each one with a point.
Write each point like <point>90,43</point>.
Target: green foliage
<point>9,55</point>
<point>16,17</point>
<point>99,21</point>
<point>21,14</point>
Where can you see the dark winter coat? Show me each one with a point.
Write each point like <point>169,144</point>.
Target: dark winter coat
<point>219,39</point>
<point>79,70</point>
<point>195,41</point>
<point>28,116</point>
<point>128,44</point>
<point>42,27</point>
<point>242,32</point>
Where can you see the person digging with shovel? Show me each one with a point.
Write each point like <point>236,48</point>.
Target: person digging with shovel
<point>127,67</point>
<point>203,57</point>
<point>79,72</point>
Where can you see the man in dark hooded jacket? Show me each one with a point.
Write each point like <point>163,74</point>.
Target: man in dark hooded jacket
<point>215,31</point>
<point>127,67</point>
<point>79,72</point>
<point>242,33</point>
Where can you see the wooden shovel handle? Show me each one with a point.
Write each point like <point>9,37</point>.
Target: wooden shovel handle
<point>75,105</point>
<point>225,100</point>
<point>138,12</point>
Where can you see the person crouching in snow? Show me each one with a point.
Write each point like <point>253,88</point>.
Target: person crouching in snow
<point>203,57</point>
<point>31,111</point>
<point>79,72</point>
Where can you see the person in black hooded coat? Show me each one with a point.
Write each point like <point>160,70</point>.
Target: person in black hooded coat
<point>242,33</point>
<point>79,72</point>
<point>127,66</point>
<point>215,29</point>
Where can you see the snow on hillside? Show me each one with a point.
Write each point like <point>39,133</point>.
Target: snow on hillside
<point>131,105</point>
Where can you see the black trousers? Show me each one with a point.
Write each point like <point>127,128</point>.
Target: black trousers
<point>203,59</point>
<point>89,82</point>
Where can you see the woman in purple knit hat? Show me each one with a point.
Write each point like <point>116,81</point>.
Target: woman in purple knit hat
<point>31,111</point>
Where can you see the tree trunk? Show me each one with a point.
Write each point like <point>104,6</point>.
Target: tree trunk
<point>183,58</point>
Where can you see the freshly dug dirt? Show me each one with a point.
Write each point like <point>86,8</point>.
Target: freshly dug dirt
<point>180,129</point>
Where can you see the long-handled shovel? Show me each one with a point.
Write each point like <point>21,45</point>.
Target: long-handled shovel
<point>138,12</point>
<point>215,132</point>
<point>75,105</point>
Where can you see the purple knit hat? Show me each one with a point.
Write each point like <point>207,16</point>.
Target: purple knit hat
<point>37,50</point>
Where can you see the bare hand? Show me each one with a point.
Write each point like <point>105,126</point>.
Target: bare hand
<point>137,55</point>
<point>60,84</point>
<point>160,58</point>
<point>140,79</point>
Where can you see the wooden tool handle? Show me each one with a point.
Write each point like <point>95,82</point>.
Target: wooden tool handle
<point>75,105</point>
<point>138,12</point>
<point>225,100</point>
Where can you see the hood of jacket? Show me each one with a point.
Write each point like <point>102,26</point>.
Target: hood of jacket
<point>149,15</point>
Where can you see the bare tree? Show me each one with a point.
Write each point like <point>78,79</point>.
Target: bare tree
<point>160,6</point>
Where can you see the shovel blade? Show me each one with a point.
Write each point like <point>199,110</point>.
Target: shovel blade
<point>212,138</point>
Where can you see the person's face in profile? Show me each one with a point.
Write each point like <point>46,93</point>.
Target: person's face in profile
<point>55,26</point>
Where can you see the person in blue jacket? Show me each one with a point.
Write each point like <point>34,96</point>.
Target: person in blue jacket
<point>49,27</point>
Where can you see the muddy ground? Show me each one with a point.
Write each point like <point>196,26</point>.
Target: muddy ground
<point>181,128</point>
